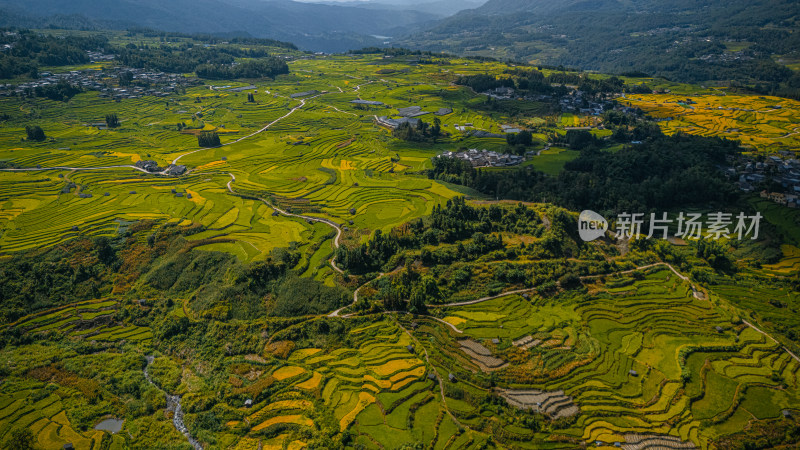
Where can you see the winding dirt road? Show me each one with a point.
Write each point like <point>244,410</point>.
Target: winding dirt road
<point>255,133</point>
<point>280,211</point>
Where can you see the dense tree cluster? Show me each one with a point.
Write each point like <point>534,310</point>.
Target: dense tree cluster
<point>208,139</point>
<point>112,121</point>
<point>34,133</point>
<point>421,132</point>
<point>216,62</point>
<point>535,82</point>
<point>523,138</point>
<point>29,50</point>
<point>663,173</point>
<point>211,39</point>
<point>454,222</point>
<point>170,59</point>
<point>258,68</point>
<point>60,92</point>
<point>394,51</point>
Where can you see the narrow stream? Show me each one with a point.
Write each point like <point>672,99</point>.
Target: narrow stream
<point>174,405</point>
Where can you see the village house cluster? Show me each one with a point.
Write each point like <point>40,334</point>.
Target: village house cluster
<point>485,158</point>
<point>158,84</point>
<point>576,101</point>
<point>153,167</point>
<point>143,82</point>
<point>776,177</point>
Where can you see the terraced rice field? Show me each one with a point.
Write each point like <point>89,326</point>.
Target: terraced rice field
<point>92,320</point>
<point>481,355</point>
<point>326,159</point>
<point>44,417</point>
<point>554,404</point>
<point>647,361</point>
<point>631,363</point>
<point>377,389</point>
<point>789,264</point>
<point>767,124</point>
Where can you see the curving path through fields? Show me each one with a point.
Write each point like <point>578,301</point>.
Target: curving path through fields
<point>29,169</point>
<point>355,298</point>
<point>280,211</point>
<point>255,133</point>
<point>520,291</point>
<point>772,339</point>
<point>174,161</point>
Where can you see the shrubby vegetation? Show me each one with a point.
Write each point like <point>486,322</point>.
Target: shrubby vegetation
<point>454,222</point>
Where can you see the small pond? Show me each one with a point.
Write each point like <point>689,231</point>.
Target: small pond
<point>110,425</point>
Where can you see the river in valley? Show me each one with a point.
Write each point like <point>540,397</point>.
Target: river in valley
<point>173,405</point>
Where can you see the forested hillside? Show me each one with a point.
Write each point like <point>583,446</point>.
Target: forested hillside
<point>686,41</point>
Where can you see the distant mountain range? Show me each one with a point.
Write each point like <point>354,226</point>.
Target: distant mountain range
<point>688,40</point>
<point>674,38</point>
<point>442,8</point>
<point>320,27</point>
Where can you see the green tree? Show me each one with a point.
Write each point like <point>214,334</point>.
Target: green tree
<point>21,439</point>
<point>430,288</point>
<point>105,252</point>
<point>35,133</point>
<point>208,139</point>
<point>417,302</point>
<point>525,138</point>
<point>112,121</point>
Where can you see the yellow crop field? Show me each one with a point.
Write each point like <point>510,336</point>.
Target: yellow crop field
<point>283,405</point>
<point>455,321</point>
<point>304,353</point>
<point>395,366</point>
<point>287,372</point>
<point>210,165</point>
<point>383,384</point>
<point>364,400</point>
<point>289,419</point>
<point>312,383</point>
<point>416,372</point>
<point>789,264</point>
<point>761,123</point>
<point>134,157</point>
